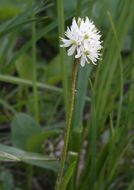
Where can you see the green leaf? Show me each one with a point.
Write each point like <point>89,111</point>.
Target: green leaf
<point>16,22</point>
<point>8,153</point>
<point>53,71</point>
<point>79,106</point>
<point>93,127</point>
<point>17,80</point>
<point>36,140</point>
<point>68,175</point>
<point>24,67</point>
<point>9,11</point>
<point>4,183</point>
<point>23,126</point>
<point>7,106</point>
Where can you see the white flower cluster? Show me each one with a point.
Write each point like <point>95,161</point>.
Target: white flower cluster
<point>83,40</point>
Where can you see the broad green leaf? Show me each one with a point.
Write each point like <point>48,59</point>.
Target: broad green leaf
<point>36,140</point>
<point>77,123</point>
<point>53,71</point>
<point>23,126</point>
<point>8,153</point>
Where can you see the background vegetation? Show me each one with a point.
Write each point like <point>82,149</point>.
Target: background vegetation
<point>35,78</point>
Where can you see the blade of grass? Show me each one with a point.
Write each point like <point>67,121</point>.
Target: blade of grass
<point>79,107</point>
<point>35,91</point>
<point>113,173</point>
<point>13,23</point>
<point>16,80</point>
<point>110,60</point>
<point>7,106</point>
<point>93,136</point>
<point>68,175</point>
<point>18,25</point>
<point>89,176</point>
<point>121,69</point>
<point>61,28</point>
<point>41,86</point>
<point>30,170</point>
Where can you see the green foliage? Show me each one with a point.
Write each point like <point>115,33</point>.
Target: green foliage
<point>4,183</point>
<point>102,126</point>
<point>68,175</point>
<point>8,153</point>
<point>23,127</point>
<point>9,11</point>
<point>35,141</point>
<point>22,65</point>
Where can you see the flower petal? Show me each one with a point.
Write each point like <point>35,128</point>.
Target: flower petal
<point>71,50</point>
<point>66,43</point>
<point>82,61</point>
<point>78,53</point>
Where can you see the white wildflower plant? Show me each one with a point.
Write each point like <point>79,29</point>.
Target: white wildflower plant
<point>83,40</point>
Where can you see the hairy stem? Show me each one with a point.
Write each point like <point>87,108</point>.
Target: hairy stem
<point>69,121</point>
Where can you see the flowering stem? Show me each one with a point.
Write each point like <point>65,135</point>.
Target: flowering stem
<point>69,121</point>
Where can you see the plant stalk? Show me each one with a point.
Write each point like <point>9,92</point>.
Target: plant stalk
<point>69,121</point>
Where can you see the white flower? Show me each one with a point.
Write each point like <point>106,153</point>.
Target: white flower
<point>83,40</point>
